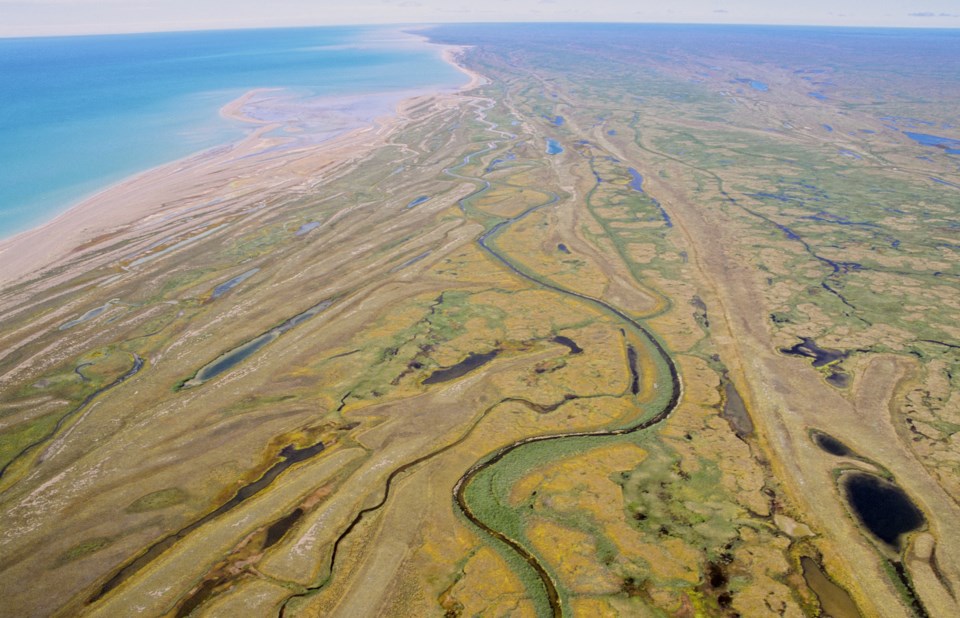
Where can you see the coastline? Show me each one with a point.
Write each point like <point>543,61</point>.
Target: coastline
<point>121,210</point>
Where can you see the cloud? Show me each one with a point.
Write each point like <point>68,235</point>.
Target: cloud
<point>932,14</point>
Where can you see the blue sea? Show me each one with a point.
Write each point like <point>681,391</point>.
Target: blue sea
<point>80,113</point>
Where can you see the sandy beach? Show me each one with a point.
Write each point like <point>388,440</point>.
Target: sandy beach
<point>233,176</point>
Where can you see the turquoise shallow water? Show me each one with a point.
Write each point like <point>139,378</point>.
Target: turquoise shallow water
<point>79,113</point>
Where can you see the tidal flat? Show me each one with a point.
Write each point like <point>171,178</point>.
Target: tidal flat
<point>563,343</point>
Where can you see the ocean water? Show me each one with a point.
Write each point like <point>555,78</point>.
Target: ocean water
<point>80,113</point>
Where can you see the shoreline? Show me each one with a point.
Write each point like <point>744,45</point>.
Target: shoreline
<point>125,207</point>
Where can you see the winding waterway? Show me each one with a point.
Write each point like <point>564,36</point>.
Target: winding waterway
<point>485,242</point>
<point>556,607</point>
<point>137,366</point>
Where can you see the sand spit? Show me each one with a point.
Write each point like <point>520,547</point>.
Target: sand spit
<point>230,176</point>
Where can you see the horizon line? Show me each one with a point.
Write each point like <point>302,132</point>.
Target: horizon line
<point>427,25</point>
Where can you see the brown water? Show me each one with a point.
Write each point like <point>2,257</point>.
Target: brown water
<point>735,411</point>
<point>834,600</point>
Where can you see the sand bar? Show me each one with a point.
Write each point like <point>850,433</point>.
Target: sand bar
<point>261,159</point>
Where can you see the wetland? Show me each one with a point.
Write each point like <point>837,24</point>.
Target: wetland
<point>615,331</point>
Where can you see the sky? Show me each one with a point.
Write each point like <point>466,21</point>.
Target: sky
<point>54,17</point>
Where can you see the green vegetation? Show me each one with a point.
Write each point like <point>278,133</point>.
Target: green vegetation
<point>157,500</point>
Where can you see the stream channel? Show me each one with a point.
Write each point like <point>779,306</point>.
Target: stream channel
<point>554,597</point>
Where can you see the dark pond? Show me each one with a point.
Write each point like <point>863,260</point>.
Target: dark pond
<point>831,445</point>
<point>279,528</point>
<point>632,358</point>
<point>570,343</point>
<point>471,362</point>
<point>883,508</point>
<point>563,248</point>
<point>637,183</point>
<point>809,349</point>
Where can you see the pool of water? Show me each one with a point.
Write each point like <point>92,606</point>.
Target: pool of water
<point>834,600</point>
<point>553,147</point>
<point>306,228</point>
<point>821,356</point>
<point>756,84</point>
<point>226,286</point>
<point>881,506</point>
<point>471,362</point>
<point>418,201</point>
<point>227,361</point>
<point>735,411</point>
<point>949,144</point>
<point>570,343</point>
<point>831,445</point>
<point>89,315</point>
